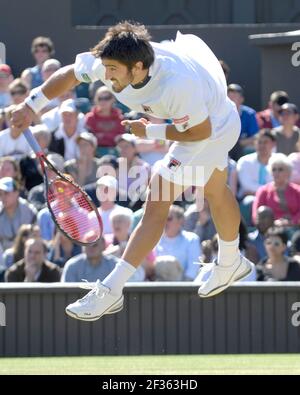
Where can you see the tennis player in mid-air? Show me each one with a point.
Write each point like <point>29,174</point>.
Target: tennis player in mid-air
<point>182,81</point>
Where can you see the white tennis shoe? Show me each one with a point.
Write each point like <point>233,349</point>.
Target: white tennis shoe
<point>222,277</point>
<point>98,302</point>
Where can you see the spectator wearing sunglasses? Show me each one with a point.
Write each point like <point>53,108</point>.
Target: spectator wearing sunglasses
<point>277,266</point>
<point>288,134</point>
<point>104,120</point>
<point>280,195</point>
<point>18,91</point>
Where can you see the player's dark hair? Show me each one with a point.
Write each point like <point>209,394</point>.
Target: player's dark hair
<point>127,43</point>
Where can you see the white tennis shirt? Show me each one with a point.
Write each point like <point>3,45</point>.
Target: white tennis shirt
<point>187,84</point>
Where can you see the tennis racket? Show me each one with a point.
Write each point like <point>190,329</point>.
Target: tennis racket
<point>71,208</point>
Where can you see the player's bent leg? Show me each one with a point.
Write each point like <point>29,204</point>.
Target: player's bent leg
<point>231,265</point>
<point>107,298</point>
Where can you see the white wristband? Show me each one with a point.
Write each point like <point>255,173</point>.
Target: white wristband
<point>37,100</point>
<point>156,131</point>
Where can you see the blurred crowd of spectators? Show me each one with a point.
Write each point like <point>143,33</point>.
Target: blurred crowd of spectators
<point>81,133</point>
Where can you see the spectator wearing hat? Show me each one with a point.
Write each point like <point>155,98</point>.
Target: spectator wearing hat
<point>183,245</point>
<point>64,138</point>
<point>132,169</point>
<point>34,267</point>
<point>6,78</point>
<point>276,266</point>
<point>107,187</point>
<point>269,118</point>
<point>42,48</point>
<point>91,265</point>
<point>15,211</point>
<point>167,268</point>
<point>84,168</point>
<point>288,134</point>
<point>104,121</point>
<point>12,143</point>
<point>249,126</point>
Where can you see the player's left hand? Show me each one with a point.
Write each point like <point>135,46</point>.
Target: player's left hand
<point>138,128</point>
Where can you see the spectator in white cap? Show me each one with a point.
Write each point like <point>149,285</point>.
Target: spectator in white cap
<point>15,211</point>
<point>84,168</point>
<point>64,138</point>
<point>106,192</point>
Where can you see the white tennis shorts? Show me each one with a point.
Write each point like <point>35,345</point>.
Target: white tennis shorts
<point>193,163</point>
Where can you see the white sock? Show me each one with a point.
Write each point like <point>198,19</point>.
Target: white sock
<point>118,277</point>
<point>228,251</point>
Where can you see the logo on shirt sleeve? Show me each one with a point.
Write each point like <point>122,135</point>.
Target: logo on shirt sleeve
<point>85,77</point>
<point>147,109</point>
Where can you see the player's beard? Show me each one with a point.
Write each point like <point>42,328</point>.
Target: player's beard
<point>118,86</point>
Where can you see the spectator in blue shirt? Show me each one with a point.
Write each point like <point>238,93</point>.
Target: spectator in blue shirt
<point>249,125</point>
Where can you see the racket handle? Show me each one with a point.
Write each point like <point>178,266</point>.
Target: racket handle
<point>31,140</point>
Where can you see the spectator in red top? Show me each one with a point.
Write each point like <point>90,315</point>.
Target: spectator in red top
<point>104,120</point>
<point>282,196</point>
<point>269,118</point>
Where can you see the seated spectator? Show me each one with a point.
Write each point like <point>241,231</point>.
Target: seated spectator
<point>16,252</point>
<point>276,266</point>
<point>104,121</point>
<point>199,222</point>
<point>263,222</point>
<point>30,164</point>
<point>6,78</point>
<point>106,193</point>
<point>183,245</point>
<point>15,211</point>
<point>42,48</point>
<point>249,126</point>
<point>49,67</point>
<point>18,91</point>
<point>9,167</point>
<point>136,170</point>
<point>84,169</point>
<point>288,134</point>
<point>116,243</point>
<point>62,249</point>
<point>12,143</point>
<point>34,267</point>
<point>167,268</point>
<point>269,118</point>
<point>64,138</point>
<point>281,195</point>
<point>252,169</point>
<point>91,265</point>
<point>36,195</point>
<point>52,118</point>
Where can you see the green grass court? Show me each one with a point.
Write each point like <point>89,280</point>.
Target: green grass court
<point>178,364</point>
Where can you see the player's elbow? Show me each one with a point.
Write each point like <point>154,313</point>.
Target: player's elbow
<point>202,131</point>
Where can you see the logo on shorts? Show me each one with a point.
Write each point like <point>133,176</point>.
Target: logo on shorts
<point>173,164</point>
<point>147,109</point>
<point>181,120</point>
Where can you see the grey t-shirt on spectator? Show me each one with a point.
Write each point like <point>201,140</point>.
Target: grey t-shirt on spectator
<point>286,145</point>
<point>9,226</point>
<point>78,268</point>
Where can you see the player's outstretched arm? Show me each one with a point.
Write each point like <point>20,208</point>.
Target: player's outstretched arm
<point>61,81</point>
